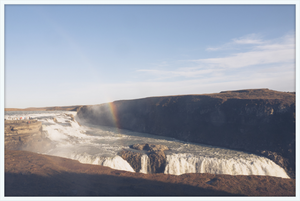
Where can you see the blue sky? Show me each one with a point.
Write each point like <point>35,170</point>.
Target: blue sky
<point>60,55</point>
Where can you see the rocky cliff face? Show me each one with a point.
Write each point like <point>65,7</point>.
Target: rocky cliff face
<point>259,121</point>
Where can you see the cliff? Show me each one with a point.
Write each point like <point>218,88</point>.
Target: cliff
<point>259,121</point>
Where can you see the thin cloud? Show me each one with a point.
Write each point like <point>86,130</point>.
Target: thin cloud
<point>266,53</point>
<point>267,64</point>
<point>273,52</point>
<point>240,60</point>
<point>250,39</point>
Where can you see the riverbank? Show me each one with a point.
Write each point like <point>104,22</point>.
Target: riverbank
<point>20,133</point>
<point>25,135</point>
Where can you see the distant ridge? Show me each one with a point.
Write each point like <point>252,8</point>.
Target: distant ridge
<point>63,108</point>
<point>245,90</point>
<point>263,93</point>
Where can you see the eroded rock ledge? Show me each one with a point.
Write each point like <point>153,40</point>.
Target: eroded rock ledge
<point>25,135</point>
<point>155,153</point>
<point>18,133</point>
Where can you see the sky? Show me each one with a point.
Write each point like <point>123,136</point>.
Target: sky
<point>63,55</point>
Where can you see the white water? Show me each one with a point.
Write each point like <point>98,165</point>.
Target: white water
<point>100,145</point>
<point>145,164</point>
<point>178,164</point>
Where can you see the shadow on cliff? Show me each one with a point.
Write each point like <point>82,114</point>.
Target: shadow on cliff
<point>79,184</point>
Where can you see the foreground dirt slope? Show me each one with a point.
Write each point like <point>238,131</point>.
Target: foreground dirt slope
<point>29,174</point>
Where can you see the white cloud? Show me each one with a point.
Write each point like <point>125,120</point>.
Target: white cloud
<point>275,52</point>
<point>274,69</point>
<point>268,64</point>
<point>266,52</point>
<point>252,58</point>
<point>250,39</point>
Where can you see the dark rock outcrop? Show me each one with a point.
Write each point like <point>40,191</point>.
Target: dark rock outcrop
<point>259,121</point>
<point>155,153</point>
<point>55,120</point>
<point>70,115</point>
<point>133,158</point>
<point>150,147</point>
<point>157,161</point>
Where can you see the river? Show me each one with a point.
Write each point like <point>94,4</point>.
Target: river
<point>75,139</point>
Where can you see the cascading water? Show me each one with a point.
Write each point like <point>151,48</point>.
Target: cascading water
<point>145,164</point>
<point>178,164</point>
<point>100,145</point>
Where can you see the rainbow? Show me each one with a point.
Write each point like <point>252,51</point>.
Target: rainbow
<point>114,114</point>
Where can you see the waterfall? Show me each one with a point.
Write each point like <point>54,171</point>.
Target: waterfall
<point>178,164</point>
<point>115,162</point>
<point>145,164</point>
<point>100,146</point>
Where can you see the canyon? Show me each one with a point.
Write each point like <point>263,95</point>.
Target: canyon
<point>259,121</point>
